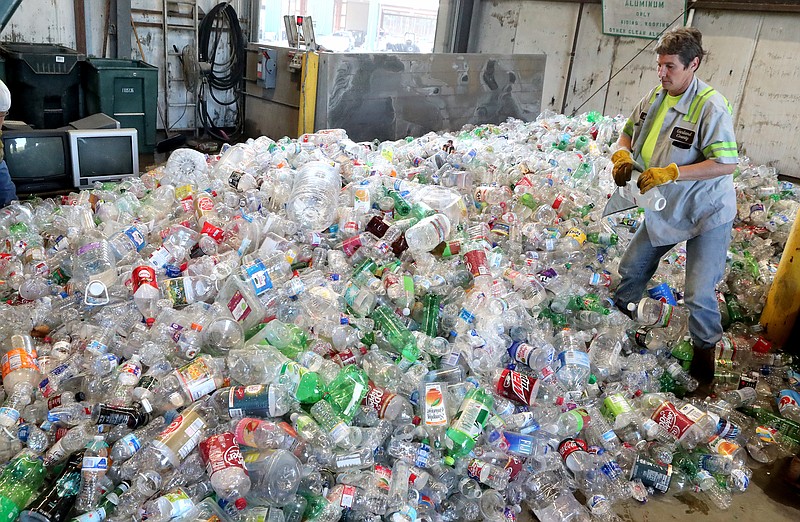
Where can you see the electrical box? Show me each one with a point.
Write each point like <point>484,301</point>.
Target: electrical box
<point>268,68</point>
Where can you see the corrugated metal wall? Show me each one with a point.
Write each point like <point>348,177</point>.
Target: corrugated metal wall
<point>753,61</point>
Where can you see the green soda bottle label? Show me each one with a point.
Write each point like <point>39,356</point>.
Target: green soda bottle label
<point>615,405</point>
<point>471,418</point>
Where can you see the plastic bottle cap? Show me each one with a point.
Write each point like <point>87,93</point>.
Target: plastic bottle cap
<point>631,307</point>
<point>240,503</point>
<point>449,460</point>
<point>96,288</point>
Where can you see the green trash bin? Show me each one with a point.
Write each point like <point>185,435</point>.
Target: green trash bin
<point>126,90</point>
<point>45,83</point>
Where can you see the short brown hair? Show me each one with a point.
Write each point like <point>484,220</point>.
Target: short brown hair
<point>686,42</point>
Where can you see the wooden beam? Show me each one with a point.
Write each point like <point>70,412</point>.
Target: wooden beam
<point>80,25</point>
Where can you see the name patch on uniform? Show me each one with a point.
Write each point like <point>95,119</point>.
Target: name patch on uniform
<point>681,136</point>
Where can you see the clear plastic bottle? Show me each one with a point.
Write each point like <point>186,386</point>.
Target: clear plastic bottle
<point>314,193</point>
<point>94,261</point>
<point>275,476</point>
<point>429,232</point>
<point>93,469</point>
<point>19,363</point>
<point>652,313</point>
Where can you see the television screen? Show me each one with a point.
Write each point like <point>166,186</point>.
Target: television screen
<point>103,155</point>
<point>38,160</point>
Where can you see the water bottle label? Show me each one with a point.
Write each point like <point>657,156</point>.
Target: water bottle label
<point>258,276</point>
<point>94,464</point>
<point>471,418</point>
<point>692,412</point>
<point>476,262</point>
<point>197,379</point>
<point>10,414</point>
<point>238,307</point>
<point>767,434</point>
<point>295,287</point>
<point>573,358</point>
<point>517,387</point>
<point>675,369</point>
<point>740,478</point>
<point>249,400</point>
<point>595,501</point>
<point>516,443</point>
<point>422,456</point>
<point>611,469</point>
<point>213,231</point>
<point>118,415</point>
<point>160,257</point>
<point>466,316</point>
<point>136,237</point>
<point>435,409</point>
<point>88,247</point>
<point>609,436</point>
<point>18,359</point>
<point>672,420</point>
<point>132,442</point>
<point>221,452</point>
<point>479,470</point>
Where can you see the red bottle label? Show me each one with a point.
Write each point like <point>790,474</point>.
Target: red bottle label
<point>221,452</point>
<point>377,398</point>
<point>569,446</point>
<point>143,275</point>
<point>516,386</point>
<point>672,420</point>
<point>476,262</point>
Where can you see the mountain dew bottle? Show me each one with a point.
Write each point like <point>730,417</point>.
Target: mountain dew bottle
<point>468,423</point>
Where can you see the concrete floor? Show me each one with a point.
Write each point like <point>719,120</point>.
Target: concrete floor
<point>768,499</point>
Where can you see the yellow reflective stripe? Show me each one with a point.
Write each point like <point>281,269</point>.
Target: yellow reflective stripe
<point>655,93</point>
<point>697,104</point>
<point>628,129</point>
<point>722,149</point>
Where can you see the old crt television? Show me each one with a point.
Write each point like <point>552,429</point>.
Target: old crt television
<point>103,155</point>
<point>38,160</point>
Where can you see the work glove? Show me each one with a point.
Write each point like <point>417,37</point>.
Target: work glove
<point>623,167</point>
<point>657,176</point>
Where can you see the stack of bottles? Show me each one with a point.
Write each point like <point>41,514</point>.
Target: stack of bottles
<point>324,330</point>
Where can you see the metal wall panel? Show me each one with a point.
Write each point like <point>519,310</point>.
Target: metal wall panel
<point>390,96</point>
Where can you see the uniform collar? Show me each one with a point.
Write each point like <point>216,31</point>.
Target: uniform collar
<point>686,99</point>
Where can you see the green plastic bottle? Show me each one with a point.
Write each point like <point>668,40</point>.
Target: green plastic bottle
<point>468,423</point>
<point>307,385</point>
<point>347,390</point>
<point>397,334</point>
<point>602,238</point>
<point>19,481</point>
<point>430,314</point>
<point>684,352</point>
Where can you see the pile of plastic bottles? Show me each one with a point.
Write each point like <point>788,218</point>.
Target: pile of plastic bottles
<point>318,329</point>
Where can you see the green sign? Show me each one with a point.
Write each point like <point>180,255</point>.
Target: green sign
<point>642,18</point>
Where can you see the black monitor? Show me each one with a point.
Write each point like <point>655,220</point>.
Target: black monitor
<point>38,160</point>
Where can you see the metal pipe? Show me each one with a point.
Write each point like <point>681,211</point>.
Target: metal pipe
<point>7,11</point>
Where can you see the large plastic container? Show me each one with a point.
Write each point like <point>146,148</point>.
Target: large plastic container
<point>126,90</point>
<point>45,83</point>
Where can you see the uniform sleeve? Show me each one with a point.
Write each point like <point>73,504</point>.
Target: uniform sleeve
<point>633,119</point>
<point>717,139</point>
